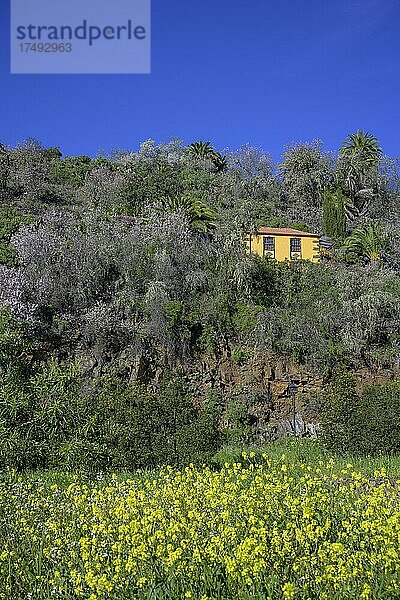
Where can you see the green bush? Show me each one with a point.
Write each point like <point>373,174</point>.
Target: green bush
<point>377,420</point>
<point>10,221</point>
<point>48,420</point>
<point>367,422</point>
<point>38,412</point>
<point>142,428</point>
<point>238,422</point>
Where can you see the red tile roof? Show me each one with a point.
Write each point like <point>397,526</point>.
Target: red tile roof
<point>284,231</point>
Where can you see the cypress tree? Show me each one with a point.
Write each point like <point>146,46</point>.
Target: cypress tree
<point>333,215</point>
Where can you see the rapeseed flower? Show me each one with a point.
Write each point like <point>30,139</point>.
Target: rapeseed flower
<point>237,533</point>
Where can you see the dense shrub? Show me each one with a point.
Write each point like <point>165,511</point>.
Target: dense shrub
<point>366,422</point>
<point>10,220</point>
<point>51,419</point>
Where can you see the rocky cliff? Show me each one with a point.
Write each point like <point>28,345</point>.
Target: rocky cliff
<point>254,380</point>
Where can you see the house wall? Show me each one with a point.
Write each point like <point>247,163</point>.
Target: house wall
<point>309,247</point>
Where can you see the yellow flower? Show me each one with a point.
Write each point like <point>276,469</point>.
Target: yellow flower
<point>289,591</point>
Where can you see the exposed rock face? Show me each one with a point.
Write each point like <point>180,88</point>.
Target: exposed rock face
<point>261,380</point>
<point>257,381</point>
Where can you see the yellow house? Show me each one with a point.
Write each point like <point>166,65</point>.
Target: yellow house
<point>284,244</point>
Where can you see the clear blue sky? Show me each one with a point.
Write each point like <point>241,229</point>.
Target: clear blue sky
<point>263,72</point>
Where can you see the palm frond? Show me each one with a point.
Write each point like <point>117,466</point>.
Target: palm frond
<point>367,241</point>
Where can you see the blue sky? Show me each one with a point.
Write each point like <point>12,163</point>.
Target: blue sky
<point>263,72</point>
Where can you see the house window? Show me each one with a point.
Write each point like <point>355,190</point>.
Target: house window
<point>295,248</point>
<point>269,246</point>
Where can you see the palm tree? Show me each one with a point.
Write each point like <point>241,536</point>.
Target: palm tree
<point>363,144</point>
<point>201,149</point>
<point>200,216</point>
<point>219,161</point>
<point>204,150</point>
<point>367,241</point>
<point>358,166</point>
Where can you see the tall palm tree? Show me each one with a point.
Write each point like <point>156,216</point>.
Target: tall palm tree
<point>358,166</point>
<point>204,150</point>
<point>363,144</point>
<point>367,241</point>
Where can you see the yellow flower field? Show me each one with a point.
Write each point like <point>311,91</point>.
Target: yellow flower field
<point>272,529</point>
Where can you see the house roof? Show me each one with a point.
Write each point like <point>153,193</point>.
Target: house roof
<point>284,231</point>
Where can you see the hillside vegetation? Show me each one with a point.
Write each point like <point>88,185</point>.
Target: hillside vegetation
<point>119,273</point>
